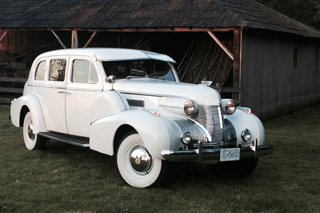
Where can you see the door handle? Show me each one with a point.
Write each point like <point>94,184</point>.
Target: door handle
<point>65,92</point>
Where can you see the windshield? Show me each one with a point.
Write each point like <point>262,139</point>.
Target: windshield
<point>139,68</point>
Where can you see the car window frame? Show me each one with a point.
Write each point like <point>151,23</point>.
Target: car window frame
<point>36,70</point>
<point>91,64</point>
<point>65,71</point>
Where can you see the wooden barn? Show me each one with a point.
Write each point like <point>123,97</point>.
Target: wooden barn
<point>253,54</point>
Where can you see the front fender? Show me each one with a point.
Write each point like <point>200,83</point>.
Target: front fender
<point>242,120</point>
<point>32,102</point>
<point>107,103</point>
<point>151,128</point>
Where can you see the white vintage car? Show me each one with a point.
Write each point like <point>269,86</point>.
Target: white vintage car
<point>130,103</point>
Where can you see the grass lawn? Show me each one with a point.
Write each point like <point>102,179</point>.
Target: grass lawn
<point>65,178</point>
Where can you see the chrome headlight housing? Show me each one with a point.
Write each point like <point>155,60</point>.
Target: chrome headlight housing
<point>246,135</point>
<point>190,107</point>
<point>186,138</point>
<point>229,106</point>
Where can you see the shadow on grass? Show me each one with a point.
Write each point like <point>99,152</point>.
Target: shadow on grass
<point>178,174</point>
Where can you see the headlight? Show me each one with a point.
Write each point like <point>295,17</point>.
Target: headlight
<point>190,107</point>
<point>230,107</point>
<point>246,135</point>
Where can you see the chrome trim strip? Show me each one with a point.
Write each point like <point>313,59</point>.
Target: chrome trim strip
<point>220,117</point>
<point>84,89</point>
<point>46,86</point>
<point>151,94</point>
<point>205,132</point>
<point>67,88</point>
<point>55,87</point>
<point>176,107</point>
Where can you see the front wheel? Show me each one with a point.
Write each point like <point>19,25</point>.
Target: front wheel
<point>135,164</point>
<point>234,169</point>
<point>32,141</point>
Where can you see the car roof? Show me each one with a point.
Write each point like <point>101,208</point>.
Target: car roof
<point>109,54</point>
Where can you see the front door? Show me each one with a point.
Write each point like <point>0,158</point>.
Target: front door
<point>83,87</point>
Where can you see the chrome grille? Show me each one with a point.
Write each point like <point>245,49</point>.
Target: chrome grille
<point>211,118</point>
<point>187,126</point>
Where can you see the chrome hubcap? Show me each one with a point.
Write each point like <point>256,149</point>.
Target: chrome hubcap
<point>30,131</point>
<point>140,160</point>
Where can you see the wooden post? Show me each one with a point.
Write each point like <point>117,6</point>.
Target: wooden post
<point>59,39</point>
<point>90,39</point>
<point>225,49</point>
<point>4,35</point>
<point>236,63</point>
<point>74,39</point>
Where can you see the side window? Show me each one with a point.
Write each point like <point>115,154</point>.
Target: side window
<point>40,72</point>
<point>83,71</point>
<point>57,69</point>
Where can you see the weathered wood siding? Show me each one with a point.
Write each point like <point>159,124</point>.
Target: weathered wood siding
<point>271,83</point>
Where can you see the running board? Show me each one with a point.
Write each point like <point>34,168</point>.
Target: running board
<point>70,139</point>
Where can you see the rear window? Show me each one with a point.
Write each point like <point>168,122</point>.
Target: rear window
<point>57,69</point>
<point>41,70</point>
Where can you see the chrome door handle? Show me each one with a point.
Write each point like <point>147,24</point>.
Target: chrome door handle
<point>65,92</point>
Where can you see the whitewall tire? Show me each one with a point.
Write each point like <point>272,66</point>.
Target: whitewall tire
<point>136,165</point>
<point>32,141</point>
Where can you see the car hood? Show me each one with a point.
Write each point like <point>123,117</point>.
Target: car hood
<point>203,95</point>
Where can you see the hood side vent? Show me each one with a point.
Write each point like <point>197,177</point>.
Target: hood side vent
<point>135,103</point>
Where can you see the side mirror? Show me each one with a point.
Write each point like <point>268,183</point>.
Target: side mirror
<point>111,79</point>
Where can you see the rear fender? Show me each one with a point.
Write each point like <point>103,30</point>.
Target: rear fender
<point>29,103</point>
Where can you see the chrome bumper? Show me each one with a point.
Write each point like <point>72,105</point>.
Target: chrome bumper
<point>201,154</point>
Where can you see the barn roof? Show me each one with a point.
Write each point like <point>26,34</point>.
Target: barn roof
<point>146,14</point>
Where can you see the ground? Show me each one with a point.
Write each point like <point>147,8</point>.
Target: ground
<point>64,178</point>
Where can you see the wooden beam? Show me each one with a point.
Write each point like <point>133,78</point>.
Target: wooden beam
<point>90,39</point>
<point>74,39</point>
<point>4,35</point>
<point>13,80</point>
<point>236,62</point>
<point>11,90</point>
<point>5,100</point>
<point>59,39</point>
<point>225,49</point>
<point>166,29</point>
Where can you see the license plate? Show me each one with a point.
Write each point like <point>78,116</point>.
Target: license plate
<point>230,154</point>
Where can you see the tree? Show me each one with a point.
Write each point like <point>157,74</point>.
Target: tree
<point>305,11</point>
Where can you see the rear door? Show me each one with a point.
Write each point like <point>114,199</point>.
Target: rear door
<point>54,101</point>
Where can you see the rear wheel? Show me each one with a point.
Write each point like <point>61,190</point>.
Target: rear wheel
<point>32,141</point>
<point>234,169</point>
<point>135,164</point>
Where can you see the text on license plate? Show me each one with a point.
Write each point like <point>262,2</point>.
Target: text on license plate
<point>230,154</point>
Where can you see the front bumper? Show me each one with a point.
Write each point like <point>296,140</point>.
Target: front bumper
<point>202,155</point>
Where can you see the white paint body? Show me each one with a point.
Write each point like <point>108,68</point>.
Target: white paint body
<point>97,111</point>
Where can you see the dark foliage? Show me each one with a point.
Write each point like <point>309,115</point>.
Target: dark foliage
<point>305,11</point>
